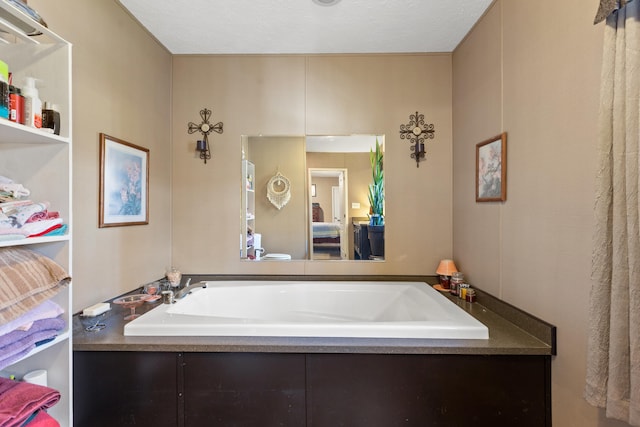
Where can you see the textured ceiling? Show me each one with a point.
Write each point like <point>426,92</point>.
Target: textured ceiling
<point>303,26</point>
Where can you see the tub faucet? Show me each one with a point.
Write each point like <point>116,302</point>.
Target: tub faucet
<point>188,288</point>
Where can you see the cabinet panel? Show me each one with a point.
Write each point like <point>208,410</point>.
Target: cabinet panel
<point>244,389</point>
<point>315,390</point>
<point>426,390</point>
<point>125,389</point>
<point>362,250</point>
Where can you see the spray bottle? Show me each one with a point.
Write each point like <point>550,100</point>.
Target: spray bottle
<point>32,104</point>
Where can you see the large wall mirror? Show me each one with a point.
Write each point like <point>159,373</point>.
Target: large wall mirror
<point>306,197</point>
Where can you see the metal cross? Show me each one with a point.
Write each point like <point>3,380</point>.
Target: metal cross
<point>205,129</point>
<point>416,131</point>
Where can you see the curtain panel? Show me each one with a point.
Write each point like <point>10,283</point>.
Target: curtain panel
<point>607,7</point>
<point>613,357</point>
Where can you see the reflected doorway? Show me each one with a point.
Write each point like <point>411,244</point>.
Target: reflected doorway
<point>328,220</point>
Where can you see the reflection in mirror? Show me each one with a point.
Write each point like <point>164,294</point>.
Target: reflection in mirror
<point>328,224</point>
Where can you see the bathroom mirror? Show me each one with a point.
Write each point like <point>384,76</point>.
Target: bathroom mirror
<point>308,225</point>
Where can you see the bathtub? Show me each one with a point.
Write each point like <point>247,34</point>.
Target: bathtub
<point>311,309</point>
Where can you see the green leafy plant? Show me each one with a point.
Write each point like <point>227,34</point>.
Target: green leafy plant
<point>376,188</point>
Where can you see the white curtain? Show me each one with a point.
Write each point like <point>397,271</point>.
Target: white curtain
<point>607,7</point>
<point>613,360</point>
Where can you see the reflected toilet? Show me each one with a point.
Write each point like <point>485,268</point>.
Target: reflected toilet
<point>276,257</point>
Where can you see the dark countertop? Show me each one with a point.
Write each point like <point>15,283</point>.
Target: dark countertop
<point>511,332</point>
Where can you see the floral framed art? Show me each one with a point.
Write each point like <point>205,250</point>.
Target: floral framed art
<point>491,169</point>
<point>124,183</point>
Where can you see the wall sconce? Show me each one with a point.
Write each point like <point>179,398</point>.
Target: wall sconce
<point>202,146</point>
<point>416,131</point>
<point>445,269</point>
<point>205,128</point>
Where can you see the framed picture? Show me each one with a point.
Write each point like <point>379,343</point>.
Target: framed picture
<point>491,169</point>
<point>124,183</point>
<point>313,190</point>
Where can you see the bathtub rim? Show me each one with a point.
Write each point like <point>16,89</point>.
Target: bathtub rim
<point>513,330</point>
<point>454,323</point>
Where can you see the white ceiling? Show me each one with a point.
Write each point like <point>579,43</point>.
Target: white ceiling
<point>305,27</point>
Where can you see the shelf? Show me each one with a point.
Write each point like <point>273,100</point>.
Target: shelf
<point>34,241</point>
<point>17,133</point>
<point>57,340</point>
<point>14,20</point>
<point>42,162</point>
<point>248,206</point>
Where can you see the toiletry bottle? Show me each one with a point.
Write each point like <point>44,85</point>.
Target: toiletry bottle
<point>4,90</point>
<point>4,99</point>
<point>16,105</point>
<point>51,118</point>
<point>32,104</point>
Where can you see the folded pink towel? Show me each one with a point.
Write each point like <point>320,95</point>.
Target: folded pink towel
<point>19,400</point>
<point>42,419</point>
<point>41,216</point>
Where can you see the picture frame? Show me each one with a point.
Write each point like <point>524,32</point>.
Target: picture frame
<point>313,190</point>
<point>491,169</point>
<point>124,183</point>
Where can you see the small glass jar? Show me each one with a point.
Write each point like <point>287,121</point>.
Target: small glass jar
<point>457,279</point>
<point>462,290</point>
<point>444,281</point>
<point>471,295</point>
<point>174,276</point>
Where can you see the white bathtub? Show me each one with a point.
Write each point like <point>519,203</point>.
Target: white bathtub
<point>311,309</point>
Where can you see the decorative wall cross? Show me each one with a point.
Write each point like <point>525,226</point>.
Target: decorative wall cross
<point>205,129</point>
<point>416,131</point>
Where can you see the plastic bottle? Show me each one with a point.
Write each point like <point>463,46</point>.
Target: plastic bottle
<point>16,105</point>
<point>51,118</point>
<point>4,90</point>
<point>32,104</point>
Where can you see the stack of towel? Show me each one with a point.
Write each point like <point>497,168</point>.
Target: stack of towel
<point>21,335</point>
<point>21,218</point>
<point>24,404</point>
<point>28,318</point>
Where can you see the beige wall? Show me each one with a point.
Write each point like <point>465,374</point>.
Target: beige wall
<point>532,69</point>
<point>294,95</point>
<point>122,87</point>
<point>528,68</point>
<point>283,230</point>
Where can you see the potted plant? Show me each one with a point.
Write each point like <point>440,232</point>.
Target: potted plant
<point>376,203</point>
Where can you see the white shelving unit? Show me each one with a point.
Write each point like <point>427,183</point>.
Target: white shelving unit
<point>42,163</point>
<point>248,205</point>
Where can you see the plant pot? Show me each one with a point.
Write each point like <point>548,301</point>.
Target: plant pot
<point>376,240</point>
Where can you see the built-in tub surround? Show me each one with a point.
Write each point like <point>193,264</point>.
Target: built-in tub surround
<point>343,309</point>
<point>296,381</point>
